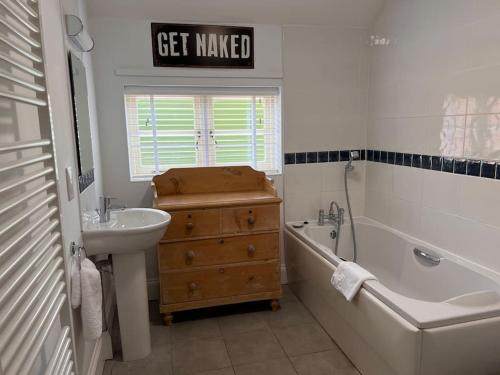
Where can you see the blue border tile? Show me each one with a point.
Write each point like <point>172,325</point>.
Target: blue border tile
<point>426,162</point>
<point>323,157</point>
<point>399,158</point>
<point>289,158</point>
<point>473,168</point>
<point>391,157</point>
<point>333,156</point>
<point>369,155</point>
<point>460,166</point>
<point>448,164</point>
<point>300,158</point>
<point>437,163</point>
<point>407,160</point>
<point>344,155</point>
<point>488,169</point>
<point>416,161</point>
<point>312,157</point>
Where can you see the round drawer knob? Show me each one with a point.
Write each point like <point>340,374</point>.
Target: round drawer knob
<point>251,220</point>
<point>193,287</point>
<point>189,226</point>
<point>251,278</point>
<point>221,270</point>
<point>251,250</point>
<point>190,255</point>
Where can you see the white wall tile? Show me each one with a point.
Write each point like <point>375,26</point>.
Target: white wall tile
<point>303,178</point>
<point>377,206</point>
<point>407,183</point>
<point>480,200</point>
<point>482,139</point>
<point>404,215</point>
<point>436,90</point>
<point>379,177</point>
<point>441,191</point>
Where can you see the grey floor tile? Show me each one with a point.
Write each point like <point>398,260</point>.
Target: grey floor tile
<point>195,329</point>
<point>288,294</point>
<point>254,346</point>
<point>272,367</point>
<point>198,355</point>
<point>148,366</point>
<point>324,363</point>
<point>291,313</point>
<point>239,323</point>
<point>304,339</point>
<point>223,371</point>
<point>161,338</point>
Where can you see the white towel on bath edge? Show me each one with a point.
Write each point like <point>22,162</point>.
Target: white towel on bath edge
<point>76,294</point>
<point>349,277</point>
<point>90,279</point>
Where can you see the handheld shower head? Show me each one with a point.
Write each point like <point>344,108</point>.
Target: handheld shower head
<point>353,155</point>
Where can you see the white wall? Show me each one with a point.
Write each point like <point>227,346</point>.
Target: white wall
<point>325,92</point>
<point>123,56</point>
<point>435,90</point>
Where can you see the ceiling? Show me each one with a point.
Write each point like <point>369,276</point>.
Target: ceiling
<point>339,13</point>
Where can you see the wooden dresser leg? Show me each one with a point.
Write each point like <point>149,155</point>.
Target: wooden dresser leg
<point>167,319</point>
<point>275,305</point>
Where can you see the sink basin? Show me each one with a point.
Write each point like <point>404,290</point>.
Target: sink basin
<point>129,230</point>
<point>126,236</point>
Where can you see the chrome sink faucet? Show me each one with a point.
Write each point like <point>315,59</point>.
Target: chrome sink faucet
<point>104,209</point>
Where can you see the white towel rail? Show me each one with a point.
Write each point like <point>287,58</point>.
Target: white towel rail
<point>19,17</point>
<point>20,50</point>
<point>14,146</point>
<point>59,351</point>
<point>19,65</point>
<point>33,13</point>
<point>26,38</point>
<point>22,180</point>
<point>35,336</point>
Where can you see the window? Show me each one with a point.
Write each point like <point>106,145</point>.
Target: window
<point>190,127</point>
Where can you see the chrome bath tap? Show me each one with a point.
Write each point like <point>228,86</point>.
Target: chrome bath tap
<point>336,217</point>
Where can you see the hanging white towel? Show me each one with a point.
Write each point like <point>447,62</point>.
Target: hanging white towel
<point>91,300</point>
<point>349,277</point>
<point>76,294</point>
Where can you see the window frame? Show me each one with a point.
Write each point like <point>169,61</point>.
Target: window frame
<point>212,91</point>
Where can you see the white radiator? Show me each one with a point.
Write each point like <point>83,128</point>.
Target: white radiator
<point>33,336</point>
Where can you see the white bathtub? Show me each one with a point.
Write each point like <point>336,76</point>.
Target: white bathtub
<point>417,318</point>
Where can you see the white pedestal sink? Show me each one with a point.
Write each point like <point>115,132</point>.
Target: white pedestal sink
<point>126,236</point>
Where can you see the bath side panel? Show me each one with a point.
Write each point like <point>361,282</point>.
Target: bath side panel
<point>462,349</point>
<point>376,339</point>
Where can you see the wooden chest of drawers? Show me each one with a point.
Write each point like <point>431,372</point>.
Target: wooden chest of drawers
<point>222,245</point>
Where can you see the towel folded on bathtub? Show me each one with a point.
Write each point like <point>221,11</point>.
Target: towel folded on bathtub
<point>349,277</point>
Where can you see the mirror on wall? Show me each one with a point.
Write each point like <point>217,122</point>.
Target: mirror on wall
<point>82,122</point>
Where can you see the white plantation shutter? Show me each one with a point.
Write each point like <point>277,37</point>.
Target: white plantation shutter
<point>189,127</point>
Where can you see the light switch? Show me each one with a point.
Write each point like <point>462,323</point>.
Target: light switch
<point>70,183</point>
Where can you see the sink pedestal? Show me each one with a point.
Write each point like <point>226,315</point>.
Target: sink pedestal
<point>132,299</point>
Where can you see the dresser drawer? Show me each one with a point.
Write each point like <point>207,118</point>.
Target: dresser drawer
<point>248,219</point>
<point>233,280</point>
<point>197,223</point>
<point>187,254</point>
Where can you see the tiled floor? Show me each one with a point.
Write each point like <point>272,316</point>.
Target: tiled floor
<point>252,341</point>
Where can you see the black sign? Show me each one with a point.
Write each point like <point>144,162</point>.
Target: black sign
<point>202,46</point>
